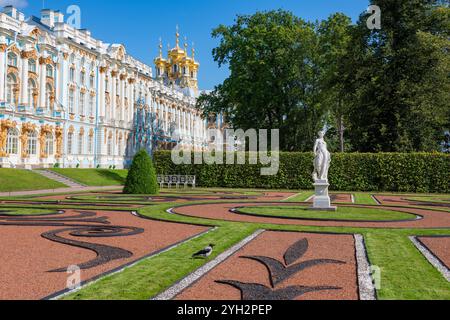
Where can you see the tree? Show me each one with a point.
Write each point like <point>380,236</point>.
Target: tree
<point>398,78</point>
<point>274,81</point>
<point>334,39</point>
<point>141,177</point>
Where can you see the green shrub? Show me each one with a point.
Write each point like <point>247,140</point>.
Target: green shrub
<point>141,177</point>
<point>394,172</point>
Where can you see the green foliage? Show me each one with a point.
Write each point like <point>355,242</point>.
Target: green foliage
<point>141,177</point>
<point>398,80</point>
<point>275,77</point>
<point>94,177</point>
<point>396,172</point>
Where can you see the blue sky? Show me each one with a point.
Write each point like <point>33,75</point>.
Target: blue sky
<point>138,24</point>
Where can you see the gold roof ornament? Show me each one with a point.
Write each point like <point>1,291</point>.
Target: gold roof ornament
<point>177,35</point>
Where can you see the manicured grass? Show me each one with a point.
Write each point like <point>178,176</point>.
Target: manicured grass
<point>95,177</point>
<point>301,197</point>
<point>154,275</point>
<point>432,199</point>
<point>405,273</point>
<point>11,211</point>
<point>364,198</point>
<point>342,213</point>
<point>24,180</point>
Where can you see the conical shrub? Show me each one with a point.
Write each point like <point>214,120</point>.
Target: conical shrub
<point>141,177</point>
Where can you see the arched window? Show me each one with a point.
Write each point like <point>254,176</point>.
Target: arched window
<point>31,90</point>
<point>82,78</point>
<point>49,71</point>
<point>32,65</point>
<point>12,59</point>
<point>12,141</point>
<point>91,105</point>
<point>32,143</point>
<point>110,146</point>
<point>48,148</point>
<point>48,95</point>
<point>82,103</point>
<point>71,101</point>
<point>72,74</point>
<point>10,87</point>
<point>70,143</point>
<point>80,143</point>
<point>92,81</point>
<point>90,144</point>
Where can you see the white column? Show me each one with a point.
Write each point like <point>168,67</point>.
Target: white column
<point>2,75</point>
<point>113,98</point>
<point>24,82</point>
<point>42,80</point>
<point>178,113</point>
<point>122,96</point>
<point>101,94</point>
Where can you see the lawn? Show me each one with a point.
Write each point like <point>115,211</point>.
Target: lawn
<point>24,180</point>
<point>25,211</point>
<point>95,177</point>
<point>342,213</point>
<point>405,273</point>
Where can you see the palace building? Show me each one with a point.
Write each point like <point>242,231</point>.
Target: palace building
<point>70,100</point>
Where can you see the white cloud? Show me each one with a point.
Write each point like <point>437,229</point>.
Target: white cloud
<point>15,3</point>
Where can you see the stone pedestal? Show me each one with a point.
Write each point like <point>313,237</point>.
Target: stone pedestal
<point>322,199</point>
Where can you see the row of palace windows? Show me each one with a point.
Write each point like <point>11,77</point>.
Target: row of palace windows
<point>12,61</point>
<point>81,103</point>
<point>12,143</point>
<point>82,78</point>
<point>79,145</point>
<point>12,83</point>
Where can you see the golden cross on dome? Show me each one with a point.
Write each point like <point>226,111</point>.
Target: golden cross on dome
<point>178,37</point>
<point>160,47</point>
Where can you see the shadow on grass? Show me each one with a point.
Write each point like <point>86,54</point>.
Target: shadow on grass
<point>112,176</point>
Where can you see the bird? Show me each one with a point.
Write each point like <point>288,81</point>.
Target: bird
<point>204,253</point>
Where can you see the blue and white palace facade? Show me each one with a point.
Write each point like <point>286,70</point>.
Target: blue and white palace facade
<point>71,100</point>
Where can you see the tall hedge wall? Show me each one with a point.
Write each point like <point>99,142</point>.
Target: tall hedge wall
<point>396,172</point>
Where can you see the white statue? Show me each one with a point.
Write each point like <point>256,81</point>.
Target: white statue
<point>322,159</point>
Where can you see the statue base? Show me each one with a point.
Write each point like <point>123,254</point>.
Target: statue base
<point>322,201</point>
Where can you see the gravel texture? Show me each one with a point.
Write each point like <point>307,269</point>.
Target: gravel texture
<point>240,278</point>
<point>28,258</point>
<point>437,251</point>
<point>366,287</point>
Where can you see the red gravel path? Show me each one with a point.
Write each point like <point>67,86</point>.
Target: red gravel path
<point>274,245</point>
<point>27,257</point>
<point>221,211</point>
<point>440,247</point>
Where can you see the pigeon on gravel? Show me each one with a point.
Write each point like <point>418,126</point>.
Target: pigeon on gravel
<point>204,253</point>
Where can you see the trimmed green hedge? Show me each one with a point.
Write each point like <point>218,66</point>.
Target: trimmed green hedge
<point>395,172</point>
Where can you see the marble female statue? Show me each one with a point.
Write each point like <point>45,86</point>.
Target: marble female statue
<point>322,159</point>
